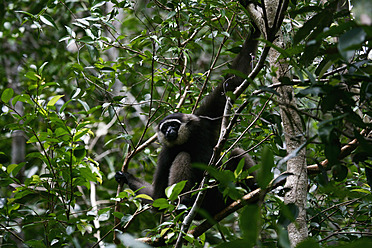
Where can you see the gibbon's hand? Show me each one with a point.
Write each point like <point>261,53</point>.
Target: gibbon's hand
<point>122,177</point>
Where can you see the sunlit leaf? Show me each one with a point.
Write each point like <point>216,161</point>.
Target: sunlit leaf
<point>48,20</point>
<point>54,99</point>
<point>174,190</point>
<point>7,95</point>
<point>144,196</point>
<point>161,203</point>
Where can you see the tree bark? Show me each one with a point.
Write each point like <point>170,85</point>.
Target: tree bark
<point>294,134</point>
<point>294,138</point>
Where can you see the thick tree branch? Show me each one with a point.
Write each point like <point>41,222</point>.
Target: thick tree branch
<point>345,151</point>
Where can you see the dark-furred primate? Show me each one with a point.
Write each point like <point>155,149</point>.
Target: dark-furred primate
<point>189,139</point>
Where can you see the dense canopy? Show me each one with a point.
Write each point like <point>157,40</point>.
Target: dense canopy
<point>83,84</point>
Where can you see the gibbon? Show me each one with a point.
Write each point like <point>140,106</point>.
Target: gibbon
<point>189,139</point>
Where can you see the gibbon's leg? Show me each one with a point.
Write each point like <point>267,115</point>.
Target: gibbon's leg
<point>236,155</point>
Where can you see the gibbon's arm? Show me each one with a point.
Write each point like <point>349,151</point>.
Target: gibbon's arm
<point>134,183</point>
<point>213,105</point>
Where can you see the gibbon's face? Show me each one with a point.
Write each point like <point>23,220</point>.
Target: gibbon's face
<point>175,129</point>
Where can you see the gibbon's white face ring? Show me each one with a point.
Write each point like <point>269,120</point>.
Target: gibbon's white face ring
<point>183,134</point>
<point>168,121</point>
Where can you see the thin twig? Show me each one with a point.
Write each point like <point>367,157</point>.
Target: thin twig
<point>212,65</point>
<point>12,233</point>
<point>232,123</point>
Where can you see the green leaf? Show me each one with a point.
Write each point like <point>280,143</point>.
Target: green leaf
<point>288,214</point>
<point>143,196</point>
<point>161,203</point>
<point>48,20</point>
<point>41,68</point>
<point>103,210</point>
<point>157,19</point>
<point>7,95</point>
<point>323,66</point>
<point>339,172</point>
<point>32,75</point>
<point>249,222</point>
<point>364,191</point>
<point>11,167</point>
<point>239,168</point>
<point>264,174</point>
<point>80,134</point>
<point>235,50</point>
<point>88,174</point>
<point>82,125</point>
<point>310,52</point>
<point>350,41</point>
<point>85,105</point>
<point>307,28</point>
<point>118,215</point>
<point>35,243</point>
<point>35,155</point>
<point>314,26</point>
<point>303,10</point>
<point>54,99</point>
<point>332,146</point>
<point>283,238</point>
<point>80,152</point>
<point>325,133</point>
<point>17,168</point>
<point>61,131</point>
<point>124,194</point>
<point>86,39</point>
<point>39,137</point>
<point>62,109</point>
<point>25,12</point>
<point>77,93</point>
<point>22,98</point>
<point>93,52</point>
<point>174,190</point>
<point>90,111</point>
<point>225,34</point>
<point>308,243</point>
<point>107,69</point>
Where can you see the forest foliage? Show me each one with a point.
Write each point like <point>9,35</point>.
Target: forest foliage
<point>83,84</point>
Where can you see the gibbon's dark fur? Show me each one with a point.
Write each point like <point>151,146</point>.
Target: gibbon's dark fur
<point>189,139</point>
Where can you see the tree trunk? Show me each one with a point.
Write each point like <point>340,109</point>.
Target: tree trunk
<point>294,138</point>
<point>297,183</point>
<point>294,134</point>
